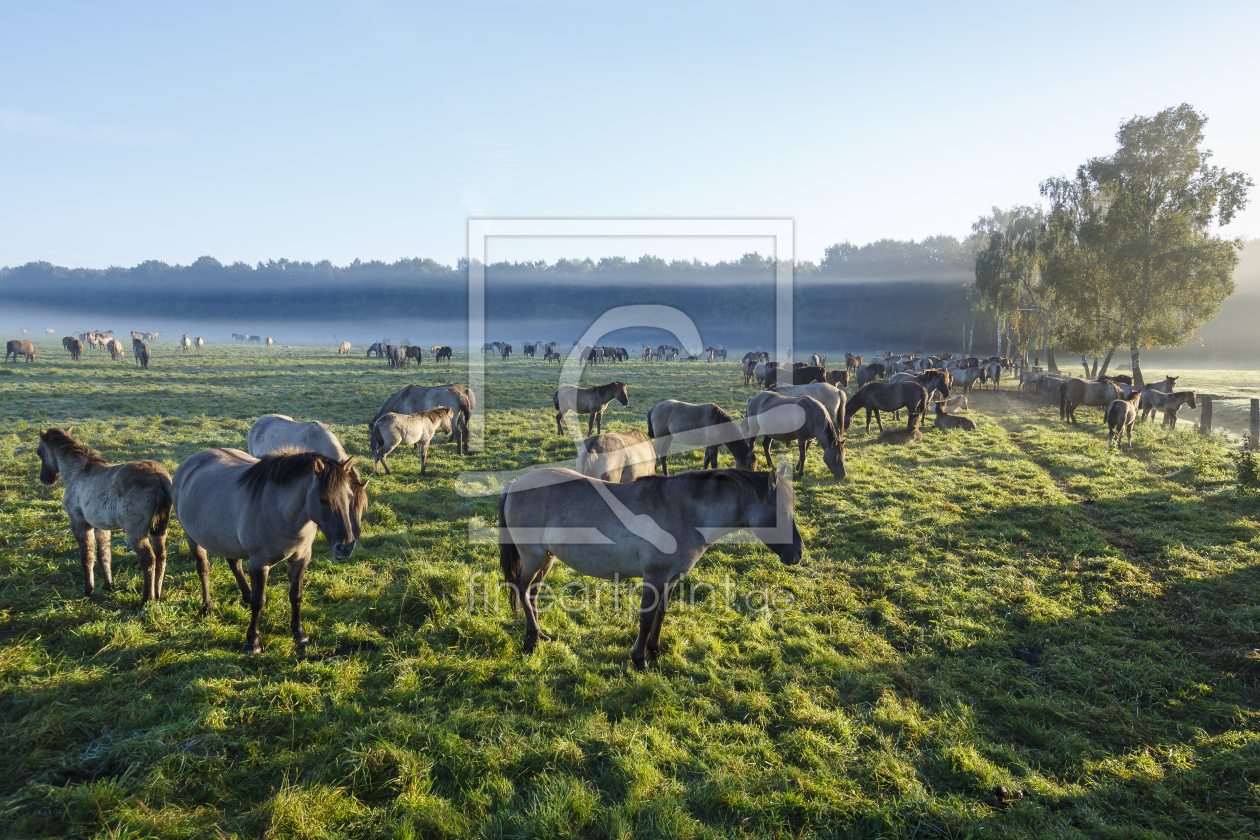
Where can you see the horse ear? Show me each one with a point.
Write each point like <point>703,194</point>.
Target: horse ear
<point>69,430</point>
<point>318,466</point>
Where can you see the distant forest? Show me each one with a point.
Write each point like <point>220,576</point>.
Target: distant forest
<point>888,293</point>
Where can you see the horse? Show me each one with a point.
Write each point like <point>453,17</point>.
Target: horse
<point>270,341</point>
<point>829,396</point>
<point>866,374</point>
<point>141,351</point>
<point>393,430</point>
<point>397,357</point>
<point>901,437</point>
<point>933,379</point>
<point>506,351</point>
<point>886,396</point>
<point>818,360</point>
<point>656,528</point>
<point>344,349</point>
<point>692,425</point>
<point>1078,392</point>
<point>101,497</point>
<point>852,362</point>
<point>116,350</point>
<point>255,339</point>
<point>266,511</point>
<point>946,421</point>
<point>552,356</point>
<point>76,349</point>
<point>528,351</point>
<point>377,348</point>
<point>590,401</point>
<point>1152,401</point>
<point>966,378</point>
<point>186,343</point>
<point>444,353</point>
<point>618,458</point>
<point>413,352</point>
<point>798,374</point>
<point>800,419</point>
<point>838,378</point>
<point>20,347</point>
<point>274,432</point>
<point>198,343</point>
<point>1121,417</point>
<point>416,398</point>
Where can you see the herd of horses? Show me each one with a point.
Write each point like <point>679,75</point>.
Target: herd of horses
<point>266,505</point>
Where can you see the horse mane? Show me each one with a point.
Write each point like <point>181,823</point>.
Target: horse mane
<point>62,443</point>
<point>286,465</point>
<point>757,482</point>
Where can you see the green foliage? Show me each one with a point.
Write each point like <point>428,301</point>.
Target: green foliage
<point>993,634</point>
<point>1247,467</point>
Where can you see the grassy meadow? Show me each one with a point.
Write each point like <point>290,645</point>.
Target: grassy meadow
<point>1014,633</point>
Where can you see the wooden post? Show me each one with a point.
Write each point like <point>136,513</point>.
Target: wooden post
<point>1205,416</point>
<point>1255,423</point>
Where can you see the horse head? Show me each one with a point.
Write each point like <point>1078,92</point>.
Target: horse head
<point>779,500</point>
<point>336,501</point>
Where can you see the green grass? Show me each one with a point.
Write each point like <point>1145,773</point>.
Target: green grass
<point>1014,633</point>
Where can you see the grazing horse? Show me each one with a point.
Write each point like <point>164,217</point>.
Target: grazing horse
<point>694,426</point>
<point>344,349</point>
<point>946,421</point>
<point>656,528</point>
<point>799,374</point>
<point>444,353</point>
<point>590,401</point>
<point>141,351</point>
<point>1121,417</point>
<point>1078,392</point>
<point>818,360</point>
<point>186,343</point>
<point>829,396</point>
<point>838,378</point>
<point>377,348</point>
<point>865,374</point>
<point>274,432</point>
<point>394,430</point>
<point>528,351</point>
<point>266,511</point>
<point>416,398</point>
<point>552,356</point>
<point>101,497</point>
<point>20,347</point>
<point>886,396</point>
<point>800,419</point>
<point>116,350</point>
<point>618,458</point>
<point>1170,404</point>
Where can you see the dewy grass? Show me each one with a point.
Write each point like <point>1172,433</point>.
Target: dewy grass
<point>1009,633</point>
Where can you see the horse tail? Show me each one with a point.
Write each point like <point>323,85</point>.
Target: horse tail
<point>651,431</point>
<point>377,440</point>
<point>509,556</point>
<point>1063,401</point>
<point>161,522</point>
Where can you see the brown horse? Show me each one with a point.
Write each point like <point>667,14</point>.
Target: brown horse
<point>416,398</point>
<point>801,374</point>
<point>20,347</point>
<point>590,401</point>
<point>76,349</point>
<point>266,511</point>
<point>887,396</point>
<point>1078,392</point>
<point>444,353</point>
<point>946,421</point>
<point>100,497</point>
<point>901,437</point>
<point>838,378</point>
<point>1121,417</point>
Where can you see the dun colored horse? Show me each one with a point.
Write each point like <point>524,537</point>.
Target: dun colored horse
<point>694,426</point>
<point>394,430</point>
<point>1121,417</point>
<point>20,347</point>
<point>416,398</point>
<point>1078,392</point>
<point>101,497</point>
<point>656,528</point>
<point>801,419</point>
<point>946,421</point>
<point>272,433</point>
<point>589,401</point>
<point>619,458</point>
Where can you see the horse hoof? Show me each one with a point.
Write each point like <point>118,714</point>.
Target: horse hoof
<point>254,649</point>
<point>531,642</point>
<point>640,664</point>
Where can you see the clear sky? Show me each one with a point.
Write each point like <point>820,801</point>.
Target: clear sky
<point>132,131</point>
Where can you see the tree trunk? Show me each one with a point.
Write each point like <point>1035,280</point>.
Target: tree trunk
<point>1051,364</point>
<point>1106,363</point>
<point>1137,366</point>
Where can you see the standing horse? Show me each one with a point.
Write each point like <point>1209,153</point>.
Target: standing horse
<point>186,343</point>
<point>886,396</point>
<point>394,430</point>
<point>693,426</point>
<point>76,349</point>
<point>416,398</point>
<point>829,396</point>
<point>618,458</point>
<point>838,378</point>
<point>656,528</point>
<point>444,353</point>
<point>590,401</point>
<point>377,348</point>
<point>141,351</point>
<point>266,511</point>
<point>20,347</point>
<point>100,497</point>
<point>800,419</point>
<point>797,374</point>
<point>116,350</point>
<point>199,343</point>
<point>274,432</point>
<point>1152,401</point>
<point>1121,417</point>
<point>1078,392</point>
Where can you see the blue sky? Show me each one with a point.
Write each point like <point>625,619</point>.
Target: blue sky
<point>134,131</point>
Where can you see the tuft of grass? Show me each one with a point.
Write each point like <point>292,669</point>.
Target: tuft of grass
<point>1009,633</point>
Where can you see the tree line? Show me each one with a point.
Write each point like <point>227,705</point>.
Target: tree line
<point>1127,252</point>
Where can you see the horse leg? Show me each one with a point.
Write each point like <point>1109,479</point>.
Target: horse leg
<point>878,420</point>
<point>104,553</point>
<point>559,427</point>
<point>654,637</point>
<point>533,571</point>
<point>710,457</point>
<point>297,576</point>
<point>247,594</point>
<point>423,450</point>
<point>258,581</point>
<point>800,464</point>
<point>148,564</point>
<point>654,589</point>
<point>158,540</point>
<point>87,554</point>
<point>765,446</point>
<point>203,572</point>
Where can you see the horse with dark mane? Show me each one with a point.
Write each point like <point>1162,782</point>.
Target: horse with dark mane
<point>417,398</point>
<point>590,401</point>
<point>800,374</point>
<point>20,347</point>
<point>694,426</point>
<point>777,417</point>
<point>101,497</point>
<point>886,396</point>
<point>266,511</point>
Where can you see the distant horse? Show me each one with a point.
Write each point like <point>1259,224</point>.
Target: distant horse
<point>116,350</point>
<point>416,353</point>
<point>691,425</point>
<point>392,430</point>
<point>416,398</point>
<point>656,528</point>
<point>266,511</point>
<point>589,401</point>
<point>76,349</point>
<point>100,497</point>
<point>344,349</point>
<point>186,343</point>
<point>528,351</point>
<point>800,375</point>
<point>886,396</point>
<point>20,347</point>
<point>272,433</point>
<point>852,362</point>
<point>377,348</point>
<point>838,378</point>
<point>199,343</point>
<point>618,458</point>
<point>750,369</point>
<point>818,360</point>
<point>444,353</point>
<point>801,419</point>
<point>506,351</point>
<point>1078,392</point>
<point>141,351</point>
<point>552,356</point>
<point>269,341</point>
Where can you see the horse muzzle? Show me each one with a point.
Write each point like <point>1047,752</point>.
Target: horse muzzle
<point>49,477</point>
<point>343,550</point>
